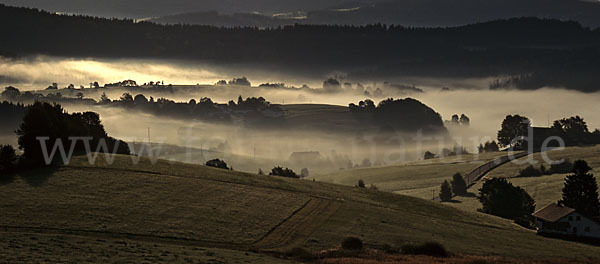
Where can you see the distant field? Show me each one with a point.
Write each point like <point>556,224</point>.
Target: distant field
<point>320,117</point>
<point>170,211</point>
<point>417,179</point>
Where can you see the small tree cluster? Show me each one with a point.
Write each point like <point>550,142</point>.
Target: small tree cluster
<point>429,155</point>
<point>279,171</point>
<point>217,163</point>
<point>488,146</point>
<point>499,197</point>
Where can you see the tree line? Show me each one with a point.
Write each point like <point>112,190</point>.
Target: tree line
<point>561,49</point>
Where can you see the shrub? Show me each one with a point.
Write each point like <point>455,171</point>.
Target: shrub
<point>361,184</point>
<point>8,158</point>
<point>530,171</point>
<point>352,243</point>
<point>433,249</point>
<point>279,171</point>
<point>217,163</point>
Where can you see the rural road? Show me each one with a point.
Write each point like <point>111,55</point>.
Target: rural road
<point>475,175</point>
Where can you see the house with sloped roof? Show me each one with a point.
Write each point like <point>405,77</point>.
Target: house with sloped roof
<point>558,220</point>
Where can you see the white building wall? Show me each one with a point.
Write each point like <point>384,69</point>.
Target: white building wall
<point>579,226</point>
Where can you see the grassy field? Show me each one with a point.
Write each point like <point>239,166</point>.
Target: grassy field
<point>416,179</point>
<point>173,211</point>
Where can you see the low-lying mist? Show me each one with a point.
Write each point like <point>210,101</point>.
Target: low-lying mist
<point>249,149</point>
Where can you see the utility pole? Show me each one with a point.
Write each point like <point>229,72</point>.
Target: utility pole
<point>148,135</point>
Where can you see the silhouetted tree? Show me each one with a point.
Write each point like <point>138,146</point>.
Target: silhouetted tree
<point>361,183</point>
<point>446,192</point>
<point>240,81</point>
<point>140,99</point>
<point>465,120</point>
<point>51,121</point>
<point>581,190</point>
<point>279,171</point>
<point>513,127</point>
<point>79,95</point>
<point>104,99</point>
<point>499,197</point>
<point>127,98</point>
<point>428,155</point>
<point>573,130</point>
<point>217,163</point>
<point>8,159</point>
<point>11,93</point>
<point>459,186</point>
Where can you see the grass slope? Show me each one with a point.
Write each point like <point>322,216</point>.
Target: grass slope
<point>544,189</point>
<point>416,179</point>
<point>173,208</point>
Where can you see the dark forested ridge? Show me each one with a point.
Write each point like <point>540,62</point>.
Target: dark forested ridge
<point>561,49</point>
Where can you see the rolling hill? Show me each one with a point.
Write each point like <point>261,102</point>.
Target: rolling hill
<point>174,212</point>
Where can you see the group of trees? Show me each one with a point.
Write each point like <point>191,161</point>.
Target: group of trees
<point>400,115</point>
<point>488,146</point>
<point>501,198</point>
<point>573,131</point>
<point>463,120</point>
<point>559,167</point>
<point>251,110</point>
<point>217,163</point>
<point>279,171</point>
<point>457,186</point>
<point>446,152</point>
<point>53,122</point>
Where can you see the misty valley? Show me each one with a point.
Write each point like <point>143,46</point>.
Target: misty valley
<point>260,131</point>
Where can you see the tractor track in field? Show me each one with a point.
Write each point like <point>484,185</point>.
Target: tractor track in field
<point>297,228</point>
<point>291,232</point>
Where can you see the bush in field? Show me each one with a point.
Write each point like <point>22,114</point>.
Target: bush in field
<point>352,243</point>
<point>530,171</point>
<point>433,249</point>
<point>279,171</point>
<point>361,183</point>
<point>217,163</point>
<point>8,158</point>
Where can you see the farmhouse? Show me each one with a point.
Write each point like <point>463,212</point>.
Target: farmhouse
<point>560,220</point>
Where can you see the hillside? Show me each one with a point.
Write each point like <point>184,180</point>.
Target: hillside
<point>175,211</point>
<point>416,179</point>
<point>544,189</point>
